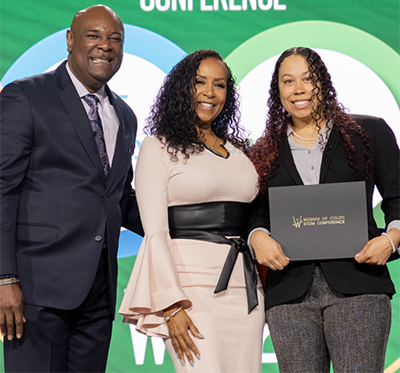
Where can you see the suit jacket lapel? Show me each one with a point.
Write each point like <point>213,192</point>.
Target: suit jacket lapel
<point>122,142</point>
<point>334,140</point>
<point>286,158</point>
<point>80,121</point>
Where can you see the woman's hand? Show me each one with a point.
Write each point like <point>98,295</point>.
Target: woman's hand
<point>377,251</point>
<point>178,326</point>
<point>269,252</point>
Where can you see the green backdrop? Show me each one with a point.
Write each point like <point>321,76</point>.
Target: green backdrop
<point>245,33</point>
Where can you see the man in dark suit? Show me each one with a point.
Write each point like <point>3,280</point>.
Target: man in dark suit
<point>65,187</point>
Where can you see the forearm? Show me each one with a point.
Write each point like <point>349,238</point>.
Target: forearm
<point>129,207</point>
<point>8,232</point>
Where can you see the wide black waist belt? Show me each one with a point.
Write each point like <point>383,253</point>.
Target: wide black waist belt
<point>213,222</point>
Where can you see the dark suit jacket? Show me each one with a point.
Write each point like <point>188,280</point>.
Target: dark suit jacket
<point>345,276</point>
<point>56,210</point>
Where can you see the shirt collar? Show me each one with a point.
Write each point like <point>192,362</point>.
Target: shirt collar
<point>325,131</point>
<point>81,89</point>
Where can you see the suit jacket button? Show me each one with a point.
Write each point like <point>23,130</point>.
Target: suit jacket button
<point>98,238</point>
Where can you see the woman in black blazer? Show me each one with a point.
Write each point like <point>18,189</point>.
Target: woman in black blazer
<point>329,310</point>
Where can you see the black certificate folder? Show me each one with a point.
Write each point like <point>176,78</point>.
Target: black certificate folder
<point>316,222</point>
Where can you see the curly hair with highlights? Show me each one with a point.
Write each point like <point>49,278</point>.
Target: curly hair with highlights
<point>173,119</point>
<point>266,149</point>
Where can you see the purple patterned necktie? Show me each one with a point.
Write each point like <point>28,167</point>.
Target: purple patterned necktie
<point>97,129</point>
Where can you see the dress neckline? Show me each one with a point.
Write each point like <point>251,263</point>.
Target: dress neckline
<point>217,153</point>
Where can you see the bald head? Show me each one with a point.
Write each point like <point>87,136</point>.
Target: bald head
<point>95,43</point>
<point>94,11</point>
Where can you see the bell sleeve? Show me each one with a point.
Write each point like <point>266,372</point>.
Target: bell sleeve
<point>154,283</point>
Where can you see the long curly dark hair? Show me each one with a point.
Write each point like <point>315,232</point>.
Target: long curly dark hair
<point>266,149</point>
<point>173,117</point>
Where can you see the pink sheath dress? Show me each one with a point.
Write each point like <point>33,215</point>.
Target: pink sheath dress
<point>168,270</point>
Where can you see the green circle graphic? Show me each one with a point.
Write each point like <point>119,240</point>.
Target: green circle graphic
<point>364,47</point>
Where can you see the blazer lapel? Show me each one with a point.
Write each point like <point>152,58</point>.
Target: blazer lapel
<point>122,144</point>
<point>286,158</point>
<point>79,118</point>
<point>334,140</point>
<point>81,124</point>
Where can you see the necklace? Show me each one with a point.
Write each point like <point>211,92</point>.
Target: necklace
<point>309,138</point>
<point>215,140</point>
<point>216,152</point>
<point>305,138</point>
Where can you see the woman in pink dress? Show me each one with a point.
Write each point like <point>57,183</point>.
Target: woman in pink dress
<point>194,185</point>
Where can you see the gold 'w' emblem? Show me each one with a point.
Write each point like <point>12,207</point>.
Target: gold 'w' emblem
<point>297,222</point>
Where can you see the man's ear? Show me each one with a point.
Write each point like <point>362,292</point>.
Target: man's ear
<point>70,40</point>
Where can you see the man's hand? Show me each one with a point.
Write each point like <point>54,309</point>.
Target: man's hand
<point>11,311</point>
<point>269,252</point>
<point>377,251</point>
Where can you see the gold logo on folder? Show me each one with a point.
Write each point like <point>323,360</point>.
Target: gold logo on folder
<point>318,220</point>
<point>297,222</point>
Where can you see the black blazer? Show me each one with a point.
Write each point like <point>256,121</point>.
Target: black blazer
<point>57,213</point>
<point>346,276</point>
